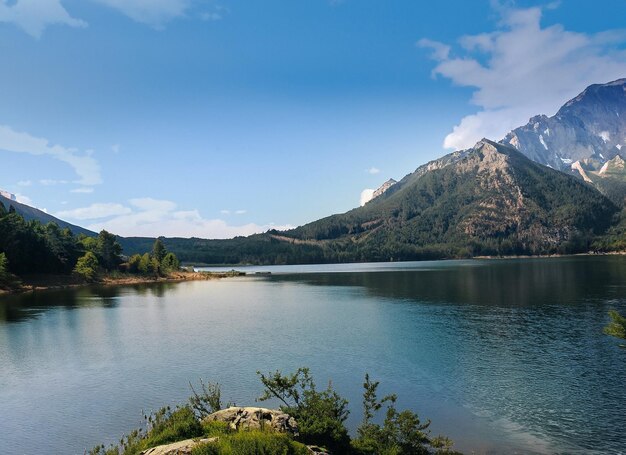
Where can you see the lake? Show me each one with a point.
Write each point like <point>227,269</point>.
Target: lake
<point>504,356</point>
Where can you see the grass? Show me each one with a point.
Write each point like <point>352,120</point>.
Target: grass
<point>167,426</point>
<point>252,442</point>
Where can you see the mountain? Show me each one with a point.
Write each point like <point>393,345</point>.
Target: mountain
<point>591,127</point>
<point>584,138</point>
<point>384,187</point>
<point>490,199</point>
<point>31,213</point>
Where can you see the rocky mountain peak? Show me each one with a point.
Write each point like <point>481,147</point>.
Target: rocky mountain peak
<point>591,126</point>
<point>384,187</point>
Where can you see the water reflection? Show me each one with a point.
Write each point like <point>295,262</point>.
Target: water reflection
<point>28,305</point>
<point>499,282</point>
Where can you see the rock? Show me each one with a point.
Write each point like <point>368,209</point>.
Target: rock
<point>315,450</point>
<point>177,448</point>
<point>256,418</point>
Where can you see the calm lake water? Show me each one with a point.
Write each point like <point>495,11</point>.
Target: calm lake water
<point>505,356</point>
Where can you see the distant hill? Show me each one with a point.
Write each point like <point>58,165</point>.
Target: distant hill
<point>489,199</point>
<point>31,213</point>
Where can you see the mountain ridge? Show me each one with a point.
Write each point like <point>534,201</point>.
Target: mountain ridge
<point>31,213</point>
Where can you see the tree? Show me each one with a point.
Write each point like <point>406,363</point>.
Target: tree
<point>158,250</point>
<point>170,263</point>
<point>133,263</point>
<point>401,433</point>
<point>320,415</point>
<point>87,266</point>
<point>617,326</point>
<point>109,250</point>
<point>145,266</point>
<point>208,401</point>
<point>4,269</point>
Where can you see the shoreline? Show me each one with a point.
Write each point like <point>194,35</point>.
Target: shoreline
<point>58,282</point>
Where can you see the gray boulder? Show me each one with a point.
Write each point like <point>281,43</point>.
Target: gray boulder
<point>177,448</point>
<point>255,419</point>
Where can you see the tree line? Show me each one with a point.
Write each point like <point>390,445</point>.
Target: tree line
<point>33,248</point>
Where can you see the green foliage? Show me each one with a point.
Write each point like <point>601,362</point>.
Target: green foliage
<point>401,433</point>
<point>133,263</point>
<point>158,250</point>
<point>170,263</point>
<point>617,326</point>
<point>159,262</point>
<point>146,266</point>
<point>208,400</point>
<point>5,275</point>
<point>320,415</point>
<point>163,427</point>
<point>108,250</point>
<point>87,266</point>
<point>252,443</point>
<point>33,248</point>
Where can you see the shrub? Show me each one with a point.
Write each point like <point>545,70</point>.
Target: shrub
<point>87,266</point>
<point>617,326</point>
<point>208,401</point>
<point>401,433</point>
<point>163,427</point>
<point>4,269</point>
<point>170,263</point>
<point>320,415</point>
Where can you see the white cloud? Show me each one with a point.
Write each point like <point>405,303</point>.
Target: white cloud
<point>373,171</point>
<point>23,199</point>
<point>33,16</point>
<point>152,12</point>
<point>82,190</point>
<point>154,217</point>
<point>523,69</point>
<point>50,182</point>
<point>25,183</point>
<point>233,212</point>
<point>366,195</point>
<point>84,164</point>
<point>95,211</point>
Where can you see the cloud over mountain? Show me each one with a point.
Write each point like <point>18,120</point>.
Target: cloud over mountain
<point>521,69</point>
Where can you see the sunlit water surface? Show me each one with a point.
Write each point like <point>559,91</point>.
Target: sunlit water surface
<point>505,356</point>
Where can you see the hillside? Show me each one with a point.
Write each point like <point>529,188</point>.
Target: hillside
<point>487,200</point>
<point>490,199</point>
<point>31,213</point>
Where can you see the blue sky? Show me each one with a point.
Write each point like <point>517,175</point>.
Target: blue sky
<point>222,118</point>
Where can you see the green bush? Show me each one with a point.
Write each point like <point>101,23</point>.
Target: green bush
<point>617,326</point>
<point>320,415</point>
<point>170,263</point>
<point>163,427</point>
<point>5,276</point>
<point>401,433</point>
<point>207,401</point>
<point>87,266</point>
